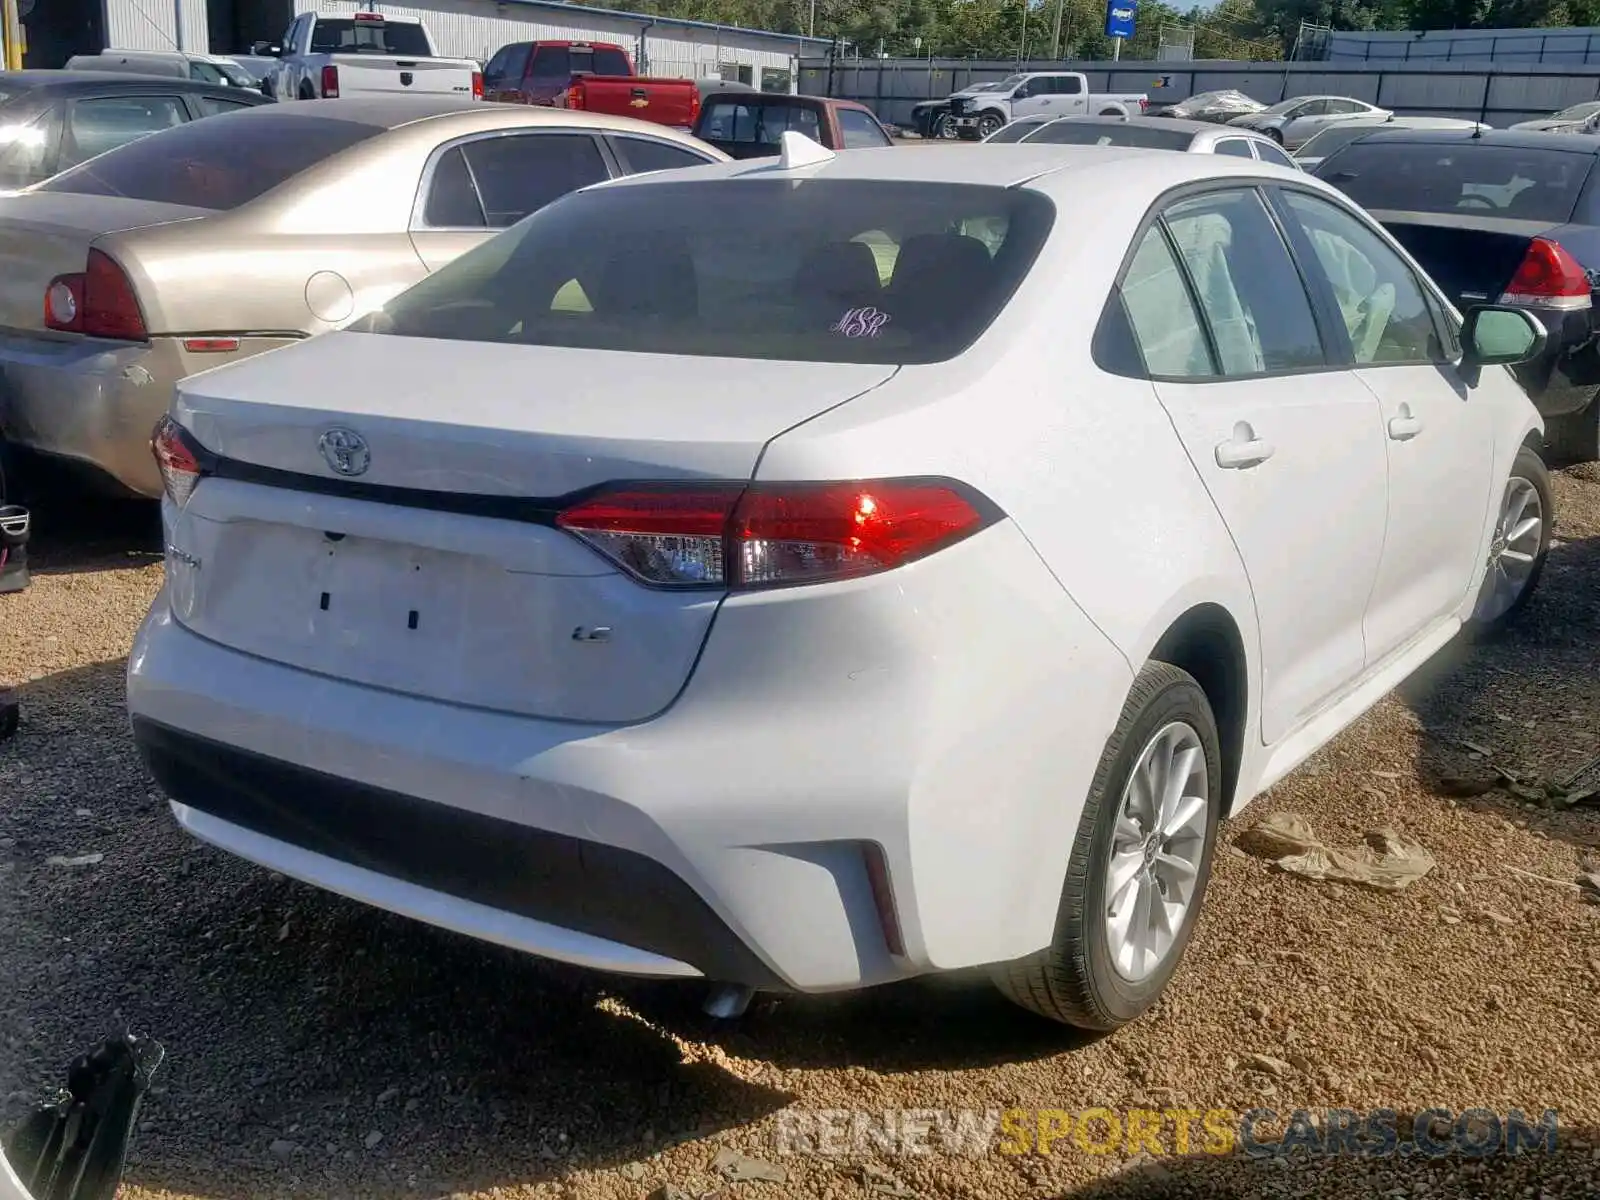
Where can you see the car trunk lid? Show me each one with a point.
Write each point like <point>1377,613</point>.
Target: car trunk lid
<point>45,234</point>
<point>1471,257</point>
<point>437,571</point>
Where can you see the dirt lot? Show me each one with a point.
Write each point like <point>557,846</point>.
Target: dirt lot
<point>319,1049</point>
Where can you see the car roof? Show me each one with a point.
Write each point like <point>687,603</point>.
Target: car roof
<point>470,116</point>
<point>1181,124</point>
<point>1008,164</point>
<point>1516,139</point>
<point>71,82</point>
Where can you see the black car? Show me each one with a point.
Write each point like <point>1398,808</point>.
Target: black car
<point>52,120</point>
<point>1504,217</point>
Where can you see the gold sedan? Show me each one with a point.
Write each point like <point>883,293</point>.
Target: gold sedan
<point>244,232</point>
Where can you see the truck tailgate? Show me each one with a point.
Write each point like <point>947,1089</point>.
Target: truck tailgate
<point>369,73</point>
<point>664,101</point>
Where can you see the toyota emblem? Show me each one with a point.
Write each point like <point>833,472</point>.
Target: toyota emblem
<point>346,451</point>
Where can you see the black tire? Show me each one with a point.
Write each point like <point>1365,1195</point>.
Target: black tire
<point>990,123</point>
<point>306,92</point>
<point>1276,135</point>
<point>1530,467</point>
<point>1074,981</point>
<point>1574,438</point>
<point>944,128</point>
<point>1112,112</point>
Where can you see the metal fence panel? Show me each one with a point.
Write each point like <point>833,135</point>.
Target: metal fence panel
<point>1500,93</point>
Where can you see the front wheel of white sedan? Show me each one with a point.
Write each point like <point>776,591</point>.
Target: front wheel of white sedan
<point>1139,864</point>
<point>1518,544</point>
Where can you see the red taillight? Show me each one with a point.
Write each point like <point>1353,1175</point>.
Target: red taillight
<point>573,97</point>
<point>477,85</point>
<point>99,302</point>
<point>1548,277</point>
<point>1144,103</point>
<point>694,108</point>
<point>774,535</point>
<point>176,456</point>
<point>330,81</point>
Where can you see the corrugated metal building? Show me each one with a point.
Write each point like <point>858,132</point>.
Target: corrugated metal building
<point>465,28</point>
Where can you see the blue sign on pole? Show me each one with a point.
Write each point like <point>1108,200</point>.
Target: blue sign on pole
<point>1119,18</point>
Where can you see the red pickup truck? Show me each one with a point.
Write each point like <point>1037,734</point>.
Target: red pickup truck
<point>593,76</point>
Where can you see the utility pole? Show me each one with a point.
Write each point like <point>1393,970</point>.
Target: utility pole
<point>177,21</point>
<point>811,26</point>
<point>11,35</point>
<point>1055,32</point>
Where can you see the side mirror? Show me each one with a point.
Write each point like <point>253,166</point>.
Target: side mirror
<point>1495,336</point>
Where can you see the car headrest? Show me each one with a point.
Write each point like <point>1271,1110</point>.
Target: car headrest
<point>842,271</point>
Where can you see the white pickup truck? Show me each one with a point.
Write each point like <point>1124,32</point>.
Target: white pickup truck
<point>365,53</point>
<point>978,111</point>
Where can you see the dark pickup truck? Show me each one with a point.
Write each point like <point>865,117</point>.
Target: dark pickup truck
<point>751,124</point>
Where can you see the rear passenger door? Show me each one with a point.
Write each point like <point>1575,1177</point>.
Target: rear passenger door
<point>1286,439</point>
<point>473,188</point>
<point>1439,439</point>
<point>99,123</point>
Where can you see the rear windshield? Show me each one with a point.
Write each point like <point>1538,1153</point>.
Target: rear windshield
<point>1492,181</point>
<point>1015,131</point>
<point>757,122</point>
<point>200,164</point>
<point>1331,138</point>
<point>1086,133</point>
<point>864,271</point>
<point>557,64</point>
<point>334,35</point>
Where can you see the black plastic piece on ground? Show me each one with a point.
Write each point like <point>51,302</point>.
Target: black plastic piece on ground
<point>10,713</point>
<point>13,548</point>
<point>75,1147</point>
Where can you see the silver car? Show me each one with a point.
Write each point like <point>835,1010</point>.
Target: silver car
<point>1573,119</point>
<point>1294,122</point>
<point>1151,133</point>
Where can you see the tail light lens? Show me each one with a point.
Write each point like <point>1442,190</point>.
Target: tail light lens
<point>1144,103</point>
<point>1548,277</point>
<point>572,97</point>
<point>178,459</point>
<point>330,82</point>
<point>99,302</point>
<point>743,536</point>
<point>477,85</point>
<point>694,108</point>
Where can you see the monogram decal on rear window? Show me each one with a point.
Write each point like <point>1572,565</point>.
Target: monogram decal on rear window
<point>865,322</point>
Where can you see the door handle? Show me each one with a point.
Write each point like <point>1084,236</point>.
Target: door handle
<point>1405,427</point>
<point>1238,453</point>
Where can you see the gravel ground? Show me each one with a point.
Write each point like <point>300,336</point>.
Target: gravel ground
<point>320,1049</point>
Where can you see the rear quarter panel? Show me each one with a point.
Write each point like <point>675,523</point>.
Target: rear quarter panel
<point>1087,467</point>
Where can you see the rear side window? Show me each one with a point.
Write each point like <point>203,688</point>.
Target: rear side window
<point>1235,147</point>
<point>602,60</point>
<point>1111,133</point>
<point>211,106</point>
<point>96,126</point>
<point>860,131</point>
<point>1268,153</point>
<point>1533,184</point>
<point>825,271</point>
<point>520,174</point>
<point>28,152</point>
<point>340,35</point>
<point>1161,312</point>
<point>199,164</point>
<point>645,154</point>
<point>1248,286</point>
<point>507,68</point>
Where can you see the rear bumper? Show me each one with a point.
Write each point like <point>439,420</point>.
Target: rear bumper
<point>1566,377</point>
<point>96,402</point>
<point>950,716</point>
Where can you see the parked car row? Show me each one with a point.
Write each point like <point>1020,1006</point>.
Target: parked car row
<point>803,451</point>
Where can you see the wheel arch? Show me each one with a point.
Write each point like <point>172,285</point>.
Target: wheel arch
<point>1206,642</point>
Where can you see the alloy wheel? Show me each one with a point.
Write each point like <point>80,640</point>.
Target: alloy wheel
<point>1513,551</point>
<point>1156,851</point>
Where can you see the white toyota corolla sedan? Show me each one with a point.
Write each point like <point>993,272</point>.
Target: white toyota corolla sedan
<point>814,572</point>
